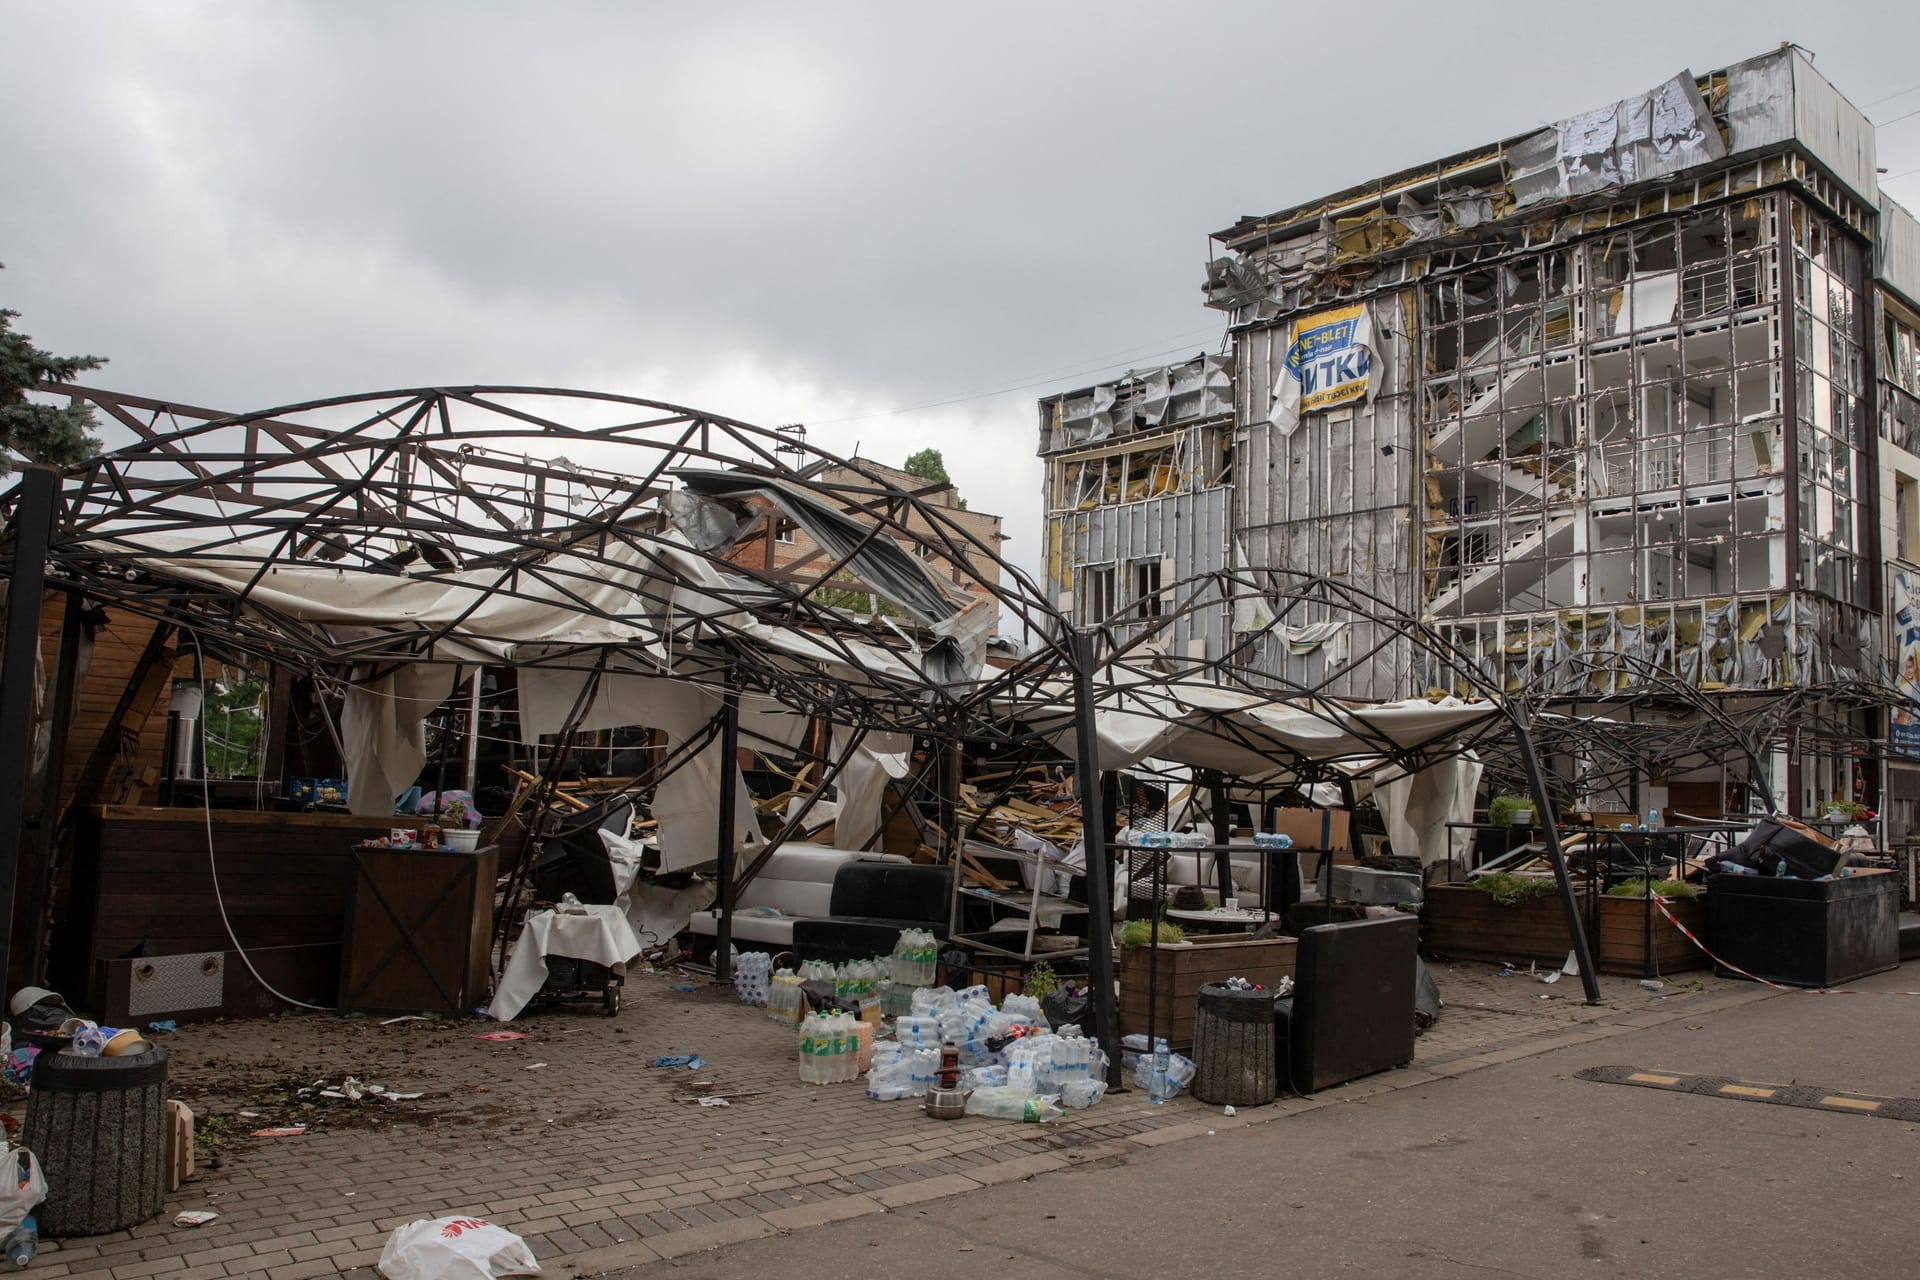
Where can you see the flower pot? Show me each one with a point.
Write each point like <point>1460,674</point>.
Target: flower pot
<point>1467,924</point>
<point>461,839</point>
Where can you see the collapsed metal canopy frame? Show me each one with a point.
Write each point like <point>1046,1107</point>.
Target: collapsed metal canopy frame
<point>467,489</point>
<point>214,523</point>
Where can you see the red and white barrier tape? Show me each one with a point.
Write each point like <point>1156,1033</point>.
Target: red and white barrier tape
<point>1734,968</point>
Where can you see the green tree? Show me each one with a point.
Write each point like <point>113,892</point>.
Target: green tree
<point>928,465</point>
<point>55,434</point>
<point>233,722</point>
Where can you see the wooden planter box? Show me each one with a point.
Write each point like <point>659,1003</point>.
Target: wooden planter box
<point>1620,940</point>
<point>1467,924</point>
<point>1182,972</point>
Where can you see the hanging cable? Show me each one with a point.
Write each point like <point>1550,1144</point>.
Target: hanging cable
<point>213,866</point>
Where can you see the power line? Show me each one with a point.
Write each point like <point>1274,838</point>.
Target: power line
<point>1897,119</point>
<point>1890,97</point>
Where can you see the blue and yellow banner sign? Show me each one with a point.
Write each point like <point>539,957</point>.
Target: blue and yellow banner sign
<point>1329,362</point>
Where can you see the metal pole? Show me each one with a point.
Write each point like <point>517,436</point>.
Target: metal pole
<point>1093,827</point>
<point>46,804</point>
<point>1569,905</point>
<point>729,765</point>
<point>473,731</point>
<point>32,535</point>
<point>1222,834</point>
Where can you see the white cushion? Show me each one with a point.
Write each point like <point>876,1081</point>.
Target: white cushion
<point>771,930</point>
<point>797,881</point>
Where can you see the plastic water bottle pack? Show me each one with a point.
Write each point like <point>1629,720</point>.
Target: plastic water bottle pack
<point>751,973</point>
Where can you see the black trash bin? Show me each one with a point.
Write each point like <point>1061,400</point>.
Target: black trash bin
<point>99,1127</point>
<point>1233,1047</point>
<point>1804,933</point>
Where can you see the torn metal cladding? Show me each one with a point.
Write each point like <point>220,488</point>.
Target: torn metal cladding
<point>1594,403</point>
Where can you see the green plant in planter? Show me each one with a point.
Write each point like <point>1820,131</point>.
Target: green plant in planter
<point>1042,981</point>
<point>1505,808</point>
<point>454,815</point>
<point>1138,933</point>
<point>1509,890</point>
<point>1637,888</point>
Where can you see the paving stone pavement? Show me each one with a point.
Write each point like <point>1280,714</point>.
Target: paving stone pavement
<point>570,1138</point>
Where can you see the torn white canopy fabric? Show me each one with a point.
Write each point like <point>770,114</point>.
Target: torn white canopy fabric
<point>562,601</point>
<point>862,785</point>
<point>1248,736</point>
<point>1417,808</point>
<point>383,733</point>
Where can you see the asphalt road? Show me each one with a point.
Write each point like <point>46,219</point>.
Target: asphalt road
<point>1518,1170</point>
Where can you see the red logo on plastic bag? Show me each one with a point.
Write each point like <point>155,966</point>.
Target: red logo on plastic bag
<point>457,1225</point>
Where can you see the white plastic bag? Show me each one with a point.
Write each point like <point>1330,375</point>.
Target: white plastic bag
<point>455,1249</point>
<point>18,1195</point>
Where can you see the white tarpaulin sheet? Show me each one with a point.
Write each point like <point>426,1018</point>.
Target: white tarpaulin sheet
<point>1253,737</point>
<point>1417,808</point>
<point>862,785</point>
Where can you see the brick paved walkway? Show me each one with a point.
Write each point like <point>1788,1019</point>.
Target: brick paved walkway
<point>570,1138</point>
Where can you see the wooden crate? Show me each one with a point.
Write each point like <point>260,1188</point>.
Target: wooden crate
<point>1467,924</point>
<point>1183,970</point>
<point>1620,941</point>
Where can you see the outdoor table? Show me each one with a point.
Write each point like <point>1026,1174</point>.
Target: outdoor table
<point>600,934</point>
<point>1219,919</point>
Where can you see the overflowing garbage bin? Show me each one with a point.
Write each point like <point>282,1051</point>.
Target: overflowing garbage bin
<point>99,1127</point>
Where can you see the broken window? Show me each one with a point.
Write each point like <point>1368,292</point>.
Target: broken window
<point>1132,473</point>
<point>1096,594</point>
<point>1146,588</point>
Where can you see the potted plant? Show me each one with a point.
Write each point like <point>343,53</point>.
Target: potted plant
<point>1160,985</point>
<point>1511,811</point>
<point>1630,935</point>
<point>1837,809</point>
<point>455,831</point>
<point>1498,916</point>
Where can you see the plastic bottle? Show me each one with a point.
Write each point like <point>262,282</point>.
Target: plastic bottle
<point>1157,1077</point>
<point>807,1025</point>
<point>1006,1104</point>
<point>1020,1071</point>
<point>23,1242</point>
<point>827,1049</point>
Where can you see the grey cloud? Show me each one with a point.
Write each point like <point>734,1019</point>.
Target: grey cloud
<point>866,206</point>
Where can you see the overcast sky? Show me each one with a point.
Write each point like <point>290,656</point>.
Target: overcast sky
<point>899,224</point>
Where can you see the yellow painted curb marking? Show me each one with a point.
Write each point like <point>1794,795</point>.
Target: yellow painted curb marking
<point>1647,1077</point>
<point>1852,1104</point>
<point>1746,1091</point>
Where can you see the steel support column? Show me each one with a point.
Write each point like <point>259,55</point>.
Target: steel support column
<point>1222,833</point>
<point>729,790</point>
<point>1569,905</point>
<point>1093,827</point>
<point>45,814</point>
<point>32,533</point>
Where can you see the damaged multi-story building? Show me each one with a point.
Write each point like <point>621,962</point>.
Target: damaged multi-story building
<point>1622,403</point>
